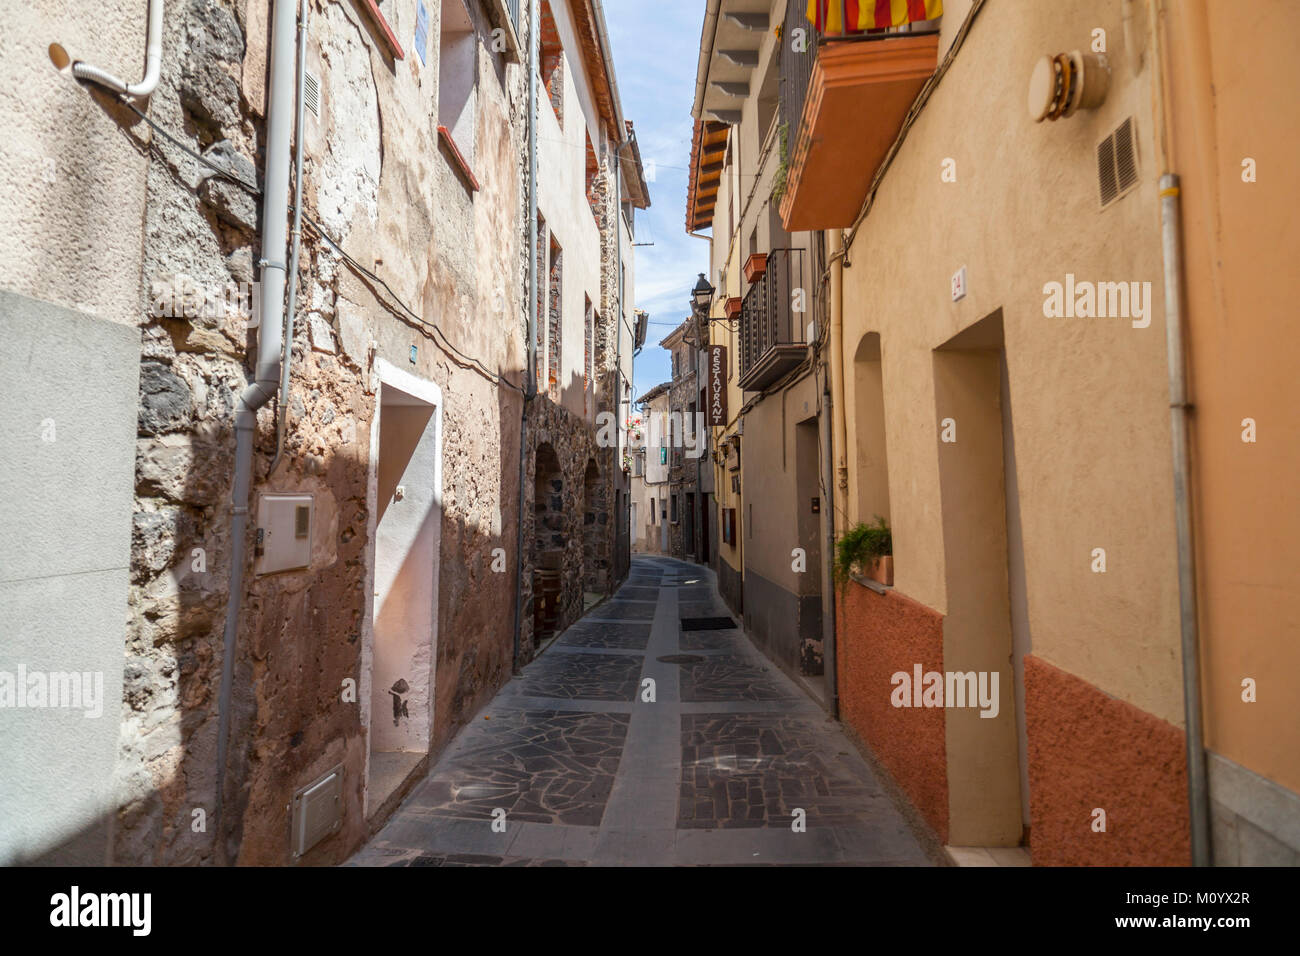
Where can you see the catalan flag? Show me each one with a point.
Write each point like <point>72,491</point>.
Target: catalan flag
<point>855,16</point>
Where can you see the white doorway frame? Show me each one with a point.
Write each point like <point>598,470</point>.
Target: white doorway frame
<point>428,392</point>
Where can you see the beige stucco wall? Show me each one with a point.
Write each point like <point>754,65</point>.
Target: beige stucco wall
<point>72,193</point>
<point>653,484</point>
<point>1239,241</point>
<point>1092,445</point>
<point>744,210</point>
<point>561,200</point>
<point>71,179</point>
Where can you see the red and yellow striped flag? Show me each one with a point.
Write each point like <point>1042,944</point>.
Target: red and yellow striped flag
<point>854,16</point>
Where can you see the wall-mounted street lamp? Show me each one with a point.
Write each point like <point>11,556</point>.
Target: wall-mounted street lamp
<point>702,295</point>
<point>702,299</point>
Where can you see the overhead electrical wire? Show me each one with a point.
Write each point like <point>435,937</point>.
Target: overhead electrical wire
<point>446,345</point>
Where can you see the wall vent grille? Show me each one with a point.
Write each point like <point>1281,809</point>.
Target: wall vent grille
<point>311,93</point>
<point>1117,163</point>
<point>317,810</point>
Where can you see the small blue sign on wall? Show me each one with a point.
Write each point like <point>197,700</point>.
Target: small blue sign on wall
<point>421,29</point>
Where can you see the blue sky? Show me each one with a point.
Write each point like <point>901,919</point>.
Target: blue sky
<point>656,45</point>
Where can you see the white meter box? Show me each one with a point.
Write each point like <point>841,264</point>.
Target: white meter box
<point>285,524</point>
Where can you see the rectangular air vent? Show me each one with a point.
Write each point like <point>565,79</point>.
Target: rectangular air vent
<point>317,810</point>
<point>1117,163</point>
<point>311,93</point>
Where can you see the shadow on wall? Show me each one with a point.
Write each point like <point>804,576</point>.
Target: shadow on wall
<point>299,633</point>
<point>299,644</point>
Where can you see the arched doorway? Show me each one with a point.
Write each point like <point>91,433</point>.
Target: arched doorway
<point>549,540</point>
<point>595,522</point>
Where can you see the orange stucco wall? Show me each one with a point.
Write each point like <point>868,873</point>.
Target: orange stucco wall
<point>1089,751</point>
<point>878,635</point>
<point>1239,242</point>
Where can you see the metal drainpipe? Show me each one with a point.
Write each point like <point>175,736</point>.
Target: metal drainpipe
<point>1198,790</point>
<point>275,214</point>
<point>618,329</point>
<point>296,239</point>
<point>530,387</point>
<point>828,626</point>
<point>701,435</point>
<point>1197,783</point>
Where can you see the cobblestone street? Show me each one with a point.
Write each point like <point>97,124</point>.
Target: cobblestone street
<point>711,772</point>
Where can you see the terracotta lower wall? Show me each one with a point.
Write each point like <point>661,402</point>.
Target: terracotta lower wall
<point>1089,750</point>
<point>878,635</point>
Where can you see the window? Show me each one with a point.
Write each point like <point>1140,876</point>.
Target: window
<point>380,13</point>
<point>458,81</point>
<point>593,181</point>
<point>552,63</point>
<point>653,511</point>
<point>674,504</point>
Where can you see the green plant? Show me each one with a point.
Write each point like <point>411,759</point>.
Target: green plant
<point>783,166</point>
<point>859,545</point>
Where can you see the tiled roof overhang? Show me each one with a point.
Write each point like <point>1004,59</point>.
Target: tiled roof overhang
<point>708,149</point>
<point>589,23</point>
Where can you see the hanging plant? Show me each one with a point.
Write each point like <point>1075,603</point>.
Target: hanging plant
<point>866,550</point>
<point>783,165</point>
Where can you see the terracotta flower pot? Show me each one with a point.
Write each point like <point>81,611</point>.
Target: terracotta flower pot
<point>880,570</point>
<point>733,306</point>
<point>755,266</point>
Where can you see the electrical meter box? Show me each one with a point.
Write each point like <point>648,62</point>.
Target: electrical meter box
<point>284,530</point>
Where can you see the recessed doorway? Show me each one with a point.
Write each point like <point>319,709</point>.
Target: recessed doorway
<point>406,524</point>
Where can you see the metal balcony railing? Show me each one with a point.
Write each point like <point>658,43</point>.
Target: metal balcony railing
<point>796,68</point>
<point>772,333</point>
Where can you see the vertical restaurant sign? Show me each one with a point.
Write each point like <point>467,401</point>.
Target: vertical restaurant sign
<point>717,379</point>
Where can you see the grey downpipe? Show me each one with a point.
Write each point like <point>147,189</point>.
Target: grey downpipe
<point>828,626</point>
<point>275,212</point>
<point>152,68</point>
<point>530,388</point>
<point>295,239</point>
<point>618,346</point>
<point>1198,791</point>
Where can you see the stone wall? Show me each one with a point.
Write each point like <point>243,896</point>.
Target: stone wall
<point>387,195</point>
<point>557,526</point>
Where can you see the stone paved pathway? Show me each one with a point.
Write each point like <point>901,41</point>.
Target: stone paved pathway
<point>710,773</point>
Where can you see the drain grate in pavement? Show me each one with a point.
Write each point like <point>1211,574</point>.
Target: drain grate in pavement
<point>707,623</point>
<point>681,659</point>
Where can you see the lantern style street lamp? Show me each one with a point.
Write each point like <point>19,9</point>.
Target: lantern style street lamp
<point>702,295</point>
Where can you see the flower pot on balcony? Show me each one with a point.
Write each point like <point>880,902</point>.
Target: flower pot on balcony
<point>733,306</point>
<point>755,266</point>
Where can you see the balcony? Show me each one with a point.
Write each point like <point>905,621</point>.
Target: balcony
<point>772,334</point>
<point>858,95</point>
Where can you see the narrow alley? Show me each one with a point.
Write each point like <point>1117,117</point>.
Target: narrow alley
<point>711,772</point>
<point>667,434</point>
